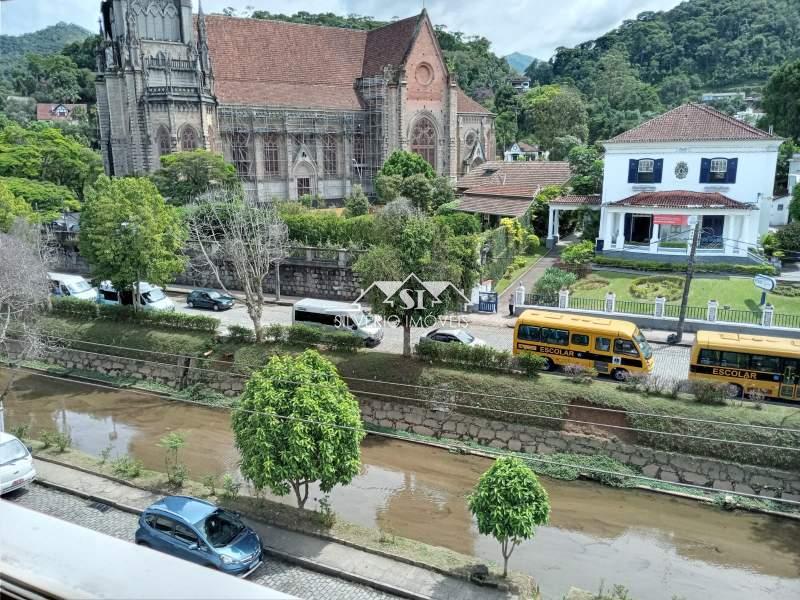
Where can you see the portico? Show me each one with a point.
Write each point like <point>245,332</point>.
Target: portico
<point>569,202</point>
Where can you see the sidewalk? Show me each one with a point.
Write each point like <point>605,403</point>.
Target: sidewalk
<point>389,575</point>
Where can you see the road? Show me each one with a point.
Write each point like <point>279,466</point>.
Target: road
<point>672,362</point>
<point>275,574</point>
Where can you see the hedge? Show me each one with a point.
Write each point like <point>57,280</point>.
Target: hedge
<point>482,357</point>
<point>298,335</point>
<point>317,228</point>
<point>679,267</point>
<point>86,309</point>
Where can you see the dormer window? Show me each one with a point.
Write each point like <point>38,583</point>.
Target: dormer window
<point>719,170</point>
<point>645,170</point>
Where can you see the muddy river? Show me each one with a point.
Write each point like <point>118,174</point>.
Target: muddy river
<point>657,546</point>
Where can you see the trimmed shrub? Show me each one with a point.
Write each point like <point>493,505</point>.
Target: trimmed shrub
<point>75,307</point>
<point>126,467</point>
<point>530,364</point>
<point>483,357</point>
<point>532,243</point>
<point>240,334</point>
<point>580,374</point>
<point>649,288</point>
<point>553,280</point>
<point>678,267</point>
<point>709,392</point>
<point>578,254</point>
<point>303,335</point>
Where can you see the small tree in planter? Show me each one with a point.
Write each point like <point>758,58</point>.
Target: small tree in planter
<point>508,503</point>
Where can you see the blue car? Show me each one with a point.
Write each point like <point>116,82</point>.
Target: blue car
<point>200,532</point>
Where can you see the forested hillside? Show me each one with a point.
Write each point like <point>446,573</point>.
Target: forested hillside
<point>45,41</point>
<point>518,61</point>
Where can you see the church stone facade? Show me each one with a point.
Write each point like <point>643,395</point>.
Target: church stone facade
<point>298,109</point>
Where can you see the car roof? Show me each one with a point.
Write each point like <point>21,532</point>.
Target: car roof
<point>144,287</point>
<point>65,277</point>
<point>451,331</point>
<point>191,510</point>
<point>326,305</point>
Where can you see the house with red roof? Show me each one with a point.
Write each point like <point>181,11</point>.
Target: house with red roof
<point>298,109</point>
<point>692,164</point>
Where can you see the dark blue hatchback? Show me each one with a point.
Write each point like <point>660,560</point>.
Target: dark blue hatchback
<point>200,532</point>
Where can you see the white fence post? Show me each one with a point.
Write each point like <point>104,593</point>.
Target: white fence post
<point>519,295</point>
<point>766,316</point>
<point>658,307</point>
<point>711,311</point>
<point>563,298</point>
<point>611,302</point>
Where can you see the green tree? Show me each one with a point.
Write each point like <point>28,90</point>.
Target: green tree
<point>12,208</point>
<point>586,164</point>
<point>553,111</point>
<point>46,199</point>
<point>50,78</point>
<point>184,176</point>
<point>417,188</point>
<point>509,503</point>
<point>388,188</point>
<point>787,149</point>
<point>562,145</point>
<point>781,99</point>
<point>297,423</point>
<point>421,252</point>
<point>506,129</point>
<point>357,203</point>
<point>442,192</point>
<point>129,234</point>
<point>405,164</point>
<point>82,52</point>
<point>794,205</point>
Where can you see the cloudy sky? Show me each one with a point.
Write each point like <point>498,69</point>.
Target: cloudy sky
<point>535,27</point>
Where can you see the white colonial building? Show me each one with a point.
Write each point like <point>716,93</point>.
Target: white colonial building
<point>692,161</point>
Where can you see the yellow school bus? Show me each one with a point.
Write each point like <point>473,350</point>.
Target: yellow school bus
<point>770,365</point>
<point>613,347</point>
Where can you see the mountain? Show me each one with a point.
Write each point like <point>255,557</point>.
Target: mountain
<point>45,41</point>
<point>518,61</point>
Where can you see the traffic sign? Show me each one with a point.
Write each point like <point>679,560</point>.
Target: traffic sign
<point>765,282</point>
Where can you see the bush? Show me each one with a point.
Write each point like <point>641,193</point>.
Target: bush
<point>789,237</point>
<point>578,254</point>
<point>580,374</point>
<point>126,467</point>
<point>74,307</point>
<point>553,280</point>
<point>460,223</point>
<point>532,243</point>
<point>357,203</point>
<point>303,335</point>
<point>275,333</point>
<point>318,228</point>
<point>791,290</point>
<point>484,357</point>
<point>240,334</point>
<point>650,288</point>
<point>60,441</point>
<point>678,267</point>
<point>709,392</point>
<point>86,309</point>
<point>230,489</point>
<point>530,364</point>
<point>20,431</point>
<point>592,282</point>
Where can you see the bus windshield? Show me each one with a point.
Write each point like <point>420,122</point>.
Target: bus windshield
<point>644,347</point>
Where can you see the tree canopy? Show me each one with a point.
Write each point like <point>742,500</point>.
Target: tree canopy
<point>297,423</point>
<point>129,234</point>
<point>553,111</point>
<point>782,100</point>
<point>12,208</point>
<point>184,176</point>
<point>406,164</point>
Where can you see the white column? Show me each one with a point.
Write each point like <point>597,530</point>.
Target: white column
<point>728,241</point>
<point>654,239</point>
<point>606,227</point>
<point>555,229</point>
<point>740,246</point>
<point>750,229</point>
<point>621,231</point>
<point>551,221</point>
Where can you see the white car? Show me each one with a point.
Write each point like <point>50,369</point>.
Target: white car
<point>16,464</point>
<point>458,336</point>
<point>75,286</point>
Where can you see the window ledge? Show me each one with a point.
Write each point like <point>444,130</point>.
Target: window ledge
<point>643,188</point>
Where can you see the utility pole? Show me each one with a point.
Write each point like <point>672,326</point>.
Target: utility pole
<point>676,337</point>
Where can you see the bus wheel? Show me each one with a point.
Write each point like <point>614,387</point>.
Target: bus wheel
<point>549,365</point>
<point>620,374</point>
<point>734,390</point>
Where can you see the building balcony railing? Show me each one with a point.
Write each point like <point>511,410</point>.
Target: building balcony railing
<point>172,90</point>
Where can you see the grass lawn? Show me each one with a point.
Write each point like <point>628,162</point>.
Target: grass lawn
<point>530,260</point>
<point>738,292</point>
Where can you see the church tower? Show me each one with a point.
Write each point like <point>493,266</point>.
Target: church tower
<point>154,83</point>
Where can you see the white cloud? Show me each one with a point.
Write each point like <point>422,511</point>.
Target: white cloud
<point>535,27</point>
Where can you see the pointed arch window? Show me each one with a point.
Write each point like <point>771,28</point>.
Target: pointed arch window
<point>423,140</point>
<point>330,154</point>
<point>163,142</point>
<point>240,154</point>
<point>271,160</point>
<point>189,139</point>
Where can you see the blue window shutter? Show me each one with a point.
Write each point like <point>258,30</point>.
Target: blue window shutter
<point>705,169</point>
<point>731,174</point>
<point>658,167</point>
<point>633,170</point>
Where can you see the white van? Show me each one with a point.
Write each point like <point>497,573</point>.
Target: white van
<point>338,316</point>
<point>73,286</point>
<point>153,297</point>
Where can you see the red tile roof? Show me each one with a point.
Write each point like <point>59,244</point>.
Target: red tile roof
<point>681,199</point>
<point>491,205</point>
<point>389,45</point>
<point>468,105</point>
<point>527,147</point>
<point>274,63</point>
<point>691,122</point>
<point>46,112</point>
<point>514,178</point>
<point>580,200</point>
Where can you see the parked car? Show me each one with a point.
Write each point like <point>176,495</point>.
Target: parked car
<point>153,297</point>
<point>200,532</point>
<point>458,336</point>
<point>338,316</point>
<point>16,464</point>
<point>74,286</point>
<point>209,299</point>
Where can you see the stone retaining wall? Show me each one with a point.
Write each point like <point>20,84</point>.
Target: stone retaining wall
<point>441,422</point>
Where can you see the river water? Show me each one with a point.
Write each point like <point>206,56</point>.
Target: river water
<point>655,545</point>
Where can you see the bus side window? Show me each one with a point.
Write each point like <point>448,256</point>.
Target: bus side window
<point>790,367</point>
<point>625,347</point>
<point>733,359</point>
<point>603,344</point>
<point>529,333</point>
<point>708,357</point>
<point>580,339</point>
<point>768,364</point>
<point>559,337</point>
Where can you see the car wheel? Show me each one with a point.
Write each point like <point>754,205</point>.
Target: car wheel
<point>216,307</point>
<point>190,304</point>
<point>620,374</point>
<point>734,390</point>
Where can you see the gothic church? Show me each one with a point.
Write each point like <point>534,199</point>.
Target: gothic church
<point>298,109</point>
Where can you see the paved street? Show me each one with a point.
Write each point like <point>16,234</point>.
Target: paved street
<point>276,574</point>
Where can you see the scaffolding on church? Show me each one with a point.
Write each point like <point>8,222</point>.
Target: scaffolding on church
<point>320,152</point>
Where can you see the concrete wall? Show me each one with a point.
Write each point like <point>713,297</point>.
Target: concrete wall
<point>441,422</point>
